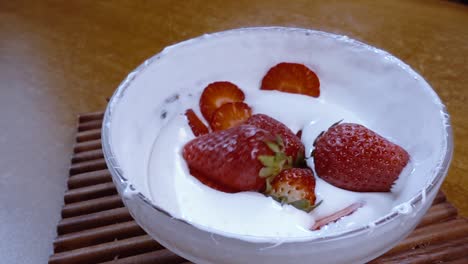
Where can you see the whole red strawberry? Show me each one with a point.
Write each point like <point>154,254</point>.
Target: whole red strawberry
<point>294,186</point>
<point>352,157</point>
<point>292,143</point>
<point>237,159</point>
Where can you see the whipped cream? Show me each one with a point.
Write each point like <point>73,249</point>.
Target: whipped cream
<point>249,213</point>
<point>358,84</point>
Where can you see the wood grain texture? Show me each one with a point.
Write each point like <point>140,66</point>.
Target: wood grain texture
<point>96,227</point>
<point>59,58</point>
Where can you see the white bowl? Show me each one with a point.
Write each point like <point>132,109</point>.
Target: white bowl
<point>389,93</point>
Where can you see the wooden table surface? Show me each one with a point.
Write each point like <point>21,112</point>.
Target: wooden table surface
<point>59,58</point>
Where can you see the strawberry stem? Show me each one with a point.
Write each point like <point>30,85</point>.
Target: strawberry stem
<point>315,205</point>
<point>300,161</point>
<point>302,204</point>
<point>305,205</point>
<point>274,164</point>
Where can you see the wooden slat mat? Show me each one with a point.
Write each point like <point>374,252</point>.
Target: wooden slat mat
<point>97,228</point>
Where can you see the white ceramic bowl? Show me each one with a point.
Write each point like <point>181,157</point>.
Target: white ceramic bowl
<point>395,96</point>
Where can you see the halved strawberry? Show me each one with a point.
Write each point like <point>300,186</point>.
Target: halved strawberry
<point>216,94</point>
<point>294,186</point>
<point>197,126</point>
<point>292,78</point>
<point>230,115</point>
<point>336,216</point>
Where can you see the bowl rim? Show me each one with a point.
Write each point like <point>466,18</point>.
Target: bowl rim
<point>118,175</point>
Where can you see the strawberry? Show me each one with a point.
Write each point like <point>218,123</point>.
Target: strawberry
<point>352,157</point>
<point>230,115</point>
<point>292,144</point>
<point>197,126</point>
<point>336,216</point>
<point>294,186</point>
<point>216,94</point>
<point>292,78</point>
<point>237,159</point>
<point>210,183</point>
<point>299,134</point>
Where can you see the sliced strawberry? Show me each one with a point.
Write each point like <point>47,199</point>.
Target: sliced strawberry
<point>292,78</point>
<point>237,159</point>
<point>292,144</point>
<point>294,186</point>
<point>353,157</point>
<point>230,115</point>
<point>216,94</point>
<point>336,216</point>
<point>197,126</point>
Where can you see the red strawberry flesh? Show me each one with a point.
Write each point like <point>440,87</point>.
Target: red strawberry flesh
<point>293,185</point>
<point>210,183</point>
<point>197,126</point>
<point>299,134</point>
<point>292,144</point>
<point>292,78</point>
<point>230,157</point>
<point>216,94</point>
<point>352,157</point>
<point>230,115</point>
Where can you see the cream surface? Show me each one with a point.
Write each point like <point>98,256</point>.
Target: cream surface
<point>358,84</point>
<point>249,213</point>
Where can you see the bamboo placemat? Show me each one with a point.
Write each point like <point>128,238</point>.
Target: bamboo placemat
<point>97,228</point>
